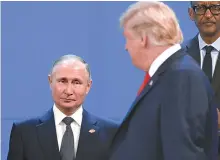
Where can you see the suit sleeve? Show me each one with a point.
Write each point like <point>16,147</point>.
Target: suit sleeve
<point>188,123</point>
<point>15,145</point>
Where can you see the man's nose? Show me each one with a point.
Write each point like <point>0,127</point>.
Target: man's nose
<point>208,13</point>
<point>69,89</point>
<point>126,47</point>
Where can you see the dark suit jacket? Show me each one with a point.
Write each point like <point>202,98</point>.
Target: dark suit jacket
<point>36,139</point>
<point>192,47</point>
<point>174,118</point>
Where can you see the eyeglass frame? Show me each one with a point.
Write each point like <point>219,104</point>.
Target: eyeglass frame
<point>206,8</point>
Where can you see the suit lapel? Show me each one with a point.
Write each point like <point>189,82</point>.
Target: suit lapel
<point>152,82</point>
<point>216,76</point>
<point>192,48</point>
<point>147,88</point>
<point>47,136</point>
<point>123,126</point>
<point>88,137</point>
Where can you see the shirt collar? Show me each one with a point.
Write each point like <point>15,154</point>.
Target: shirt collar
<point>58,115</point>
<point>163,57</point>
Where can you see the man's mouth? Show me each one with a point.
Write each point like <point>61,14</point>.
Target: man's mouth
<point>208,22</point>
<point>67,100</point>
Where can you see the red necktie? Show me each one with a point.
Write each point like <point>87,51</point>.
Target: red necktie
<point>146,79</point>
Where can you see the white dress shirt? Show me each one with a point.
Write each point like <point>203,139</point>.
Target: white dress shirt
<point>61,127</point>
<point>214,53</point>
<point>163,57</point>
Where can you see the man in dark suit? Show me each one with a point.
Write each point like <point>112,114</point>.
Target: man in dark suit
<point>67,131</point>
<point>174,115</point>
<point>206,15</point>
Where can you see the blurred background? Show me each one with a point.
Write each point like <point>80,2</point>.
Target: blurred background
<point>35,34</point>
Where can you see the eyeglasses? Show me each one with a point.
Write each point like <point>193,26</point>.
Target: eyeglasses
<point>201,9</point>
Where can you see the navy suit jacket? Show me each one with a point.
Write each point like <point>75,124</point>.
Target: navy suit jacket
<point>36,139</point>
<point>192,47</point>
<point>174,118</point>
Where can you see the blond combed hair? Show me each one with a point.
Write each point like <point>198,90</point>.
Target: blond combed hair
<point>155,20</point>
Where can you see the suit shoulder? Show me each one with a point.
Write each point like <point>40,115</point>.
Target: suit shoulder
<point>27,122</point>
<point>107,126</point>
<point>186,42</point>
<point>34,121</point>
<point>104,122</point>
<point>108,123</point>
<point>190,42</point>
<point>185,63</point>
<point>186,70</point>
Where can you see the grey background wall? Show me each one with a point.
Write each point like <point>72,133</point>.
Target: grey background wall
<point>34,34</point>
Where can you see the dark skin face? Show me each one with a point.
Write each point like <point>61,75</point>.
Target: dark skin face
<point>208,23</point>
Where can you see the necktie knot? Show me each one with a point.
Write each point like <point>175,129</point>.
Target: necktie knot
<point>67,120</point>
<point>208,49</point>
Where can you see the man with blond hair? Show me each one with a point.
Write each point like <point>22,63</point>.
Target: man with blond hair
<point>174,115</point>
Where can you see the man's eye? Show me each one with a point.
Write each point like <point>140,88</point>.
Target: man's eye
<point>76,82</point>
<point>200,8</point>
<point>216,7</point>
<point>62,81</point>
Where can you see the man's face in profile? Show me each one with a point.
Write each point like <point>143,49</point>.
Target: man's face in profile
<point>133,46</point>
<point>137,46</point>
<point>207,20</point>
<point>70,83</point>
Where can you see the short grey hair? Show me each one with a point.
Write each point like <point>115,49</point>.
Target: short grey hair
<point>71,57</point>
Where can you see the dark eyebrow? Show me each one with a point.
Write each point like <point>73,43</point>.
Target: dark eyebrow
<point>207,5</point>
<point>77,79</point>
<point>62,78</point>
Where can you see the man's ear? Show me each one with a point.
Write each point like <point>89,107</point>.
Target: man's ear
<point>89,86</point>
<point>191,14</point>
<point>50,80</point>
<point>144,40</point>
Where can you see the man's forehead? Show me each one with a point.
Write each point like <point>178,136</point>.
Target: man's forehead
<point>205,2</point>
<point>69,72</point>
<point>75,65</point>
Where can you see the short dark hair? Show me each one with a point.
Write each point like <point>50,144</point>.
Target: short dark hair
<point>192,3</point>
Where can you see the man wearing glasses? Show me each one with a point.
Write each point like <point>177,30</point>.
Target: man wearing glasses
<point>205,46</point>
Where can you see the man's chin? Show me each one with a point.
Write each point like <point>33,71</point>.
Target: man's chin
<point>209,31</point>
<point>68,106</point>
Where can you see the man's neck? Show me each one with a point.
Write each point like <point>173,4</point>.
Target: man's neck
<point>156,50</point>
<point>68,111</point>
<point>210,39</point>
